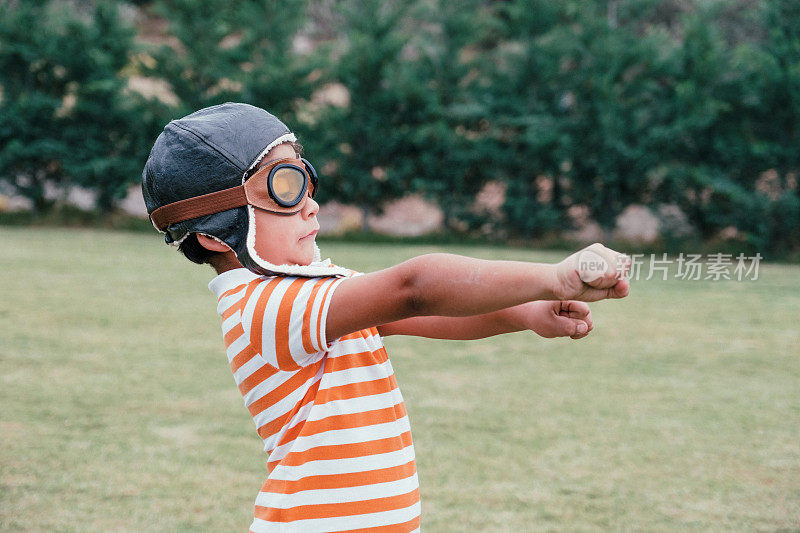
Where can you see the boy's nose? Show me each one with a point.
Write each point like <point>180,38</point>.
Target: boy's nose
<point>311,208</point>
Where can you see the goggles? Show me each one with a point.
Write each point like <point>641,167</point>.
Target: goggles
<point>281,187</point>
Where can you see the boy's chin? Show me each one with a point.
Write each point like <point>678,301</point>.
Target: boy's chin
<point>303,261</point>
<point>304,256</point>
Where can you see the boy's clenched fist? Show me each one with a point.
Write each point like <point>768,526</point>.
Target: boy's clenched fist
<point>594,273</point>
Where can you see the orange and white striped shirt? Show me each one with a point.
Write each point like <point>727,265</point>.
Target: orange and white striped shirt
<point>333,422</point>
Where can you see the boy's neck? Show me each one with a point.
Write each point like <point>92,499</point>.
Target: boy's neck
<point>224,262</point>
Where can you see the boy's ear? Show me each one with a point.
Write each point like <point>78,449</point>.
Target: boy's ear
<point>212,243</point>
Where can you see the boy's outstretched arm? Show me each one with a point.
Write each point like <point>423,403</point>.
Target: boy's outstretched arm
<point>451,285</point>
<point>547,318</point>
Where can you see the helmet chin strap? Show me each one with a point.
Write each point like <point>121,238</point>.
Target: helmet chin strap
<point>255,263</point>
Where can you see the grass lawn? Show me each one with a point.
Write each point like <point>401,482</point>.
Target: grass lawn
<point>680,411</point>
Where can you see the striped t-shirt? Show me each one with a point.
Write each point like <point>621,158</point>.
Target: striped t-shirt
<point>333,422</point>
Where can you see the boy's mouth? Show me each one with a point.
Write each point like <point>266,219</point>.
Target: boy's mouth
<point>310,235</point>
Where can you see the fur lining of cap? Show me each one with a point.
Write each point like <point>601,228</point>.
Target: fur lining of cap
<point>177,243</point>
<point>286,138</point>
<point>174,244</point>
<point>317,268</point>
<point>215,238</point>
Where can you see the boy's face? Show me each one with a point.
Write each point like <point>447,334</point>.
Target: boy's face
<point>282,239</point>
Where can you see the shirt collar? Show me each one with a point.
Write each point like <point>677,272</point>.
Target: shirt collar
<point>230,278</point>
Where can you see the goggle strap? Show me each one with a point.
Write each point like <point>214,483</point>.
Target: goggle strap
<point>207,204</point>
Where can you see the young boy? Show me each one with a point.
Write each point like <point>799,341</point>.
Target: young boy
<point>304,337</point>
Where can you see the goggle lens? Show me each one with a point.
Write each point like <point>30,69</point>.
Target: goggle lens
<point>288,185</point>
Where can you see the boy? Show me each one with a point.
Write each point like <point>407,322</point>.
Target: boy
<point>303,336</point>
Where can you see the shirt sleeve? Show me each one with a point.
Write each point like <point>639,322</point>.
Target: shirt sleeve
<point>286,319</point>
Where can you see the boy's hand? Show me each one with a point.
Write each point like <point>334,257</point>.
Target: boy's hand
<point>594,273</point>
<point>550,319</point>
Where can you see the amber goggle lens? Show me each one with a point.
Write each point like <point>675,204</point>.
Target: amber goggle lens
<point>288,185</point>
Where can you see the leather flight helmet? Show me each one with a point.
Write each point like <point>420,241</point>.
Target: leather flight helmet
<point>212,150</point>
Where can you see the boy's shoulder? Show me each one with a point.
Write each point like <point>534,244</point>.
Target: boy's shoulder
<point>251,293</point>
<point>281,317</point>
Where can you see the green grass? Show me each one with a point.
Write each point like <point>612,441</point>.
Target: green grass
<point>680,411</point>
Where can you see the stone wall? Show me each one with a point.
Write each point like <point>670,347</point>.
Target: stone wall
<point>413,215</point>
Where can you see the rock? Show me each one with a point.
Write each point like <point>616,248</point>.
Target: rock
<point>586,230</point>
<point>335,218</point>
<point>409,216</point>
<point>14,203</point>
<point>81,198</point>
<point>133,203</point>
<point>637,224</point>
<point>674,221</point>
<point>730,233</point>
<point>490,199</point>
<point>587,233</point>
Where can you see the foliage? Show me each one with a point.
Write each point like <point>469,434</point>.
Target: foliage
<point>65,116</point>
<point>447,159</point>
<point>606,111</point>
<point>360,142</point>
<point>219,54</point>
<point>589,105</point>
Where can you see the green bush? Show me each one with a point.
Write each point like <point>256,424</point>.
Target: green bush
<point>66,116</point>
<point>599,105</point>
